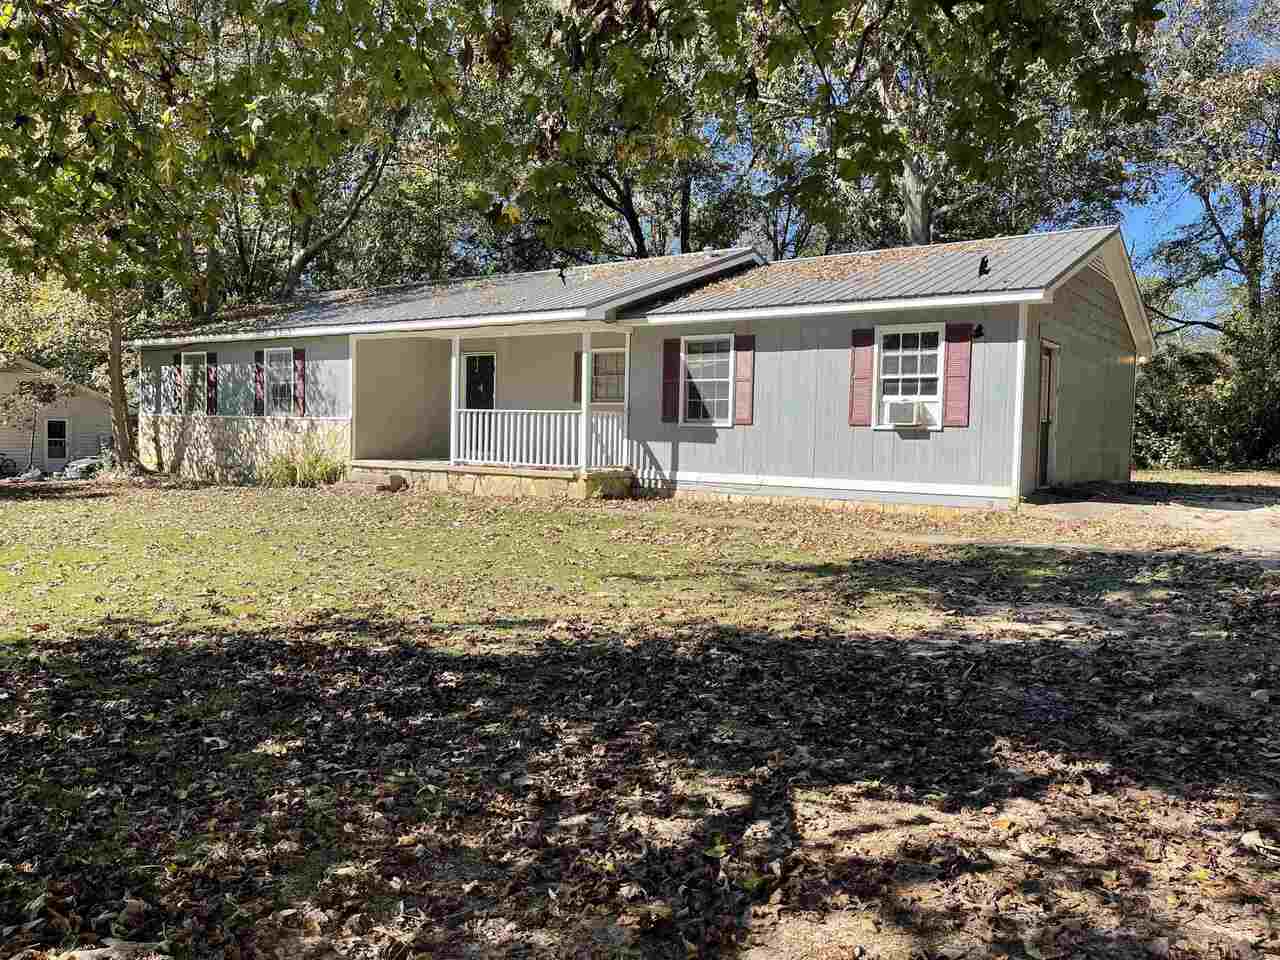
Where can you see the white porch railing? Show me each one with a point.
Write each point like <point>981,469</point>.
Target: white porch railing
<point>608,439</point>
<point>539,438</point>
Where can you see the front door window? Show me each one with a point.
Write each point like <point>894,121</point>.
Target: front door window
<point>481,369</point>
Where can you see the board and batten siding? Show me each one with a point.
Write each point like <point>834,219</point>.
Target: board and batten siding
<point>801,426</point>
<point>328,376</point>
<point>1096,369</point>
<point>88,421</point>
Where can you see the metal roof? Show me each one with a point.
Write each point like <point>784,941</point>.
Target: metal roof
<point>582,288</point>
<point>1029,262</point>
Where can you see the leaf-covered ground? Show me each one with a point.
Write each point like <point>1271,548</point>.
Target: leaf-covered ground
<point>247,724</point>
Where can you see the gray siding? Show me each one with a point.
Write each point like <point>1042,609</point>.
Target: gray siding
<point>801,427</point>
<point>1096,366</point>
<point>328,376</point>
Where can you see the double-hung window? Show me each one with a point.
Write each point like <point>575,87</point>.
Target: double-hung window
<point>910,362</point>
<point>708,380</point>
<point>608,370</point>
<point>279,382</point>
<point>195,378</point>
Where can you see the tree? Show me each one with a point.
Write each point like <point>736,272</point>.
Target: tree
<point>135,129</point>
<point>21,406</point>
<point>1216,89</point>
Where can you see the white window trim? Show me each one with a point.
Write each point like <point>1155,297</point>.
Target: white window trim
<point>479,353</point>
<point>684,380</point>
<point>877,406</point>
<point>66,440</point>
<point>608,403</point>
<point>182,378</point>
<point>266,383</point>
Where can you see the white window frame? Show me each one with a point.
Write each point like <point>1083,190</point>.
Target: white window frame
<point>204,387</point>
<point>267,407</point>
<point>684,379</point>
<point>622,399</point>
<point>878,405</point>
<point>66,440</point>
<point>462,400</point>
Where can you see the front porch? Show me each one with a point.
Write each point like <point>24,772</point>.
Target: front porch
<point>515,412</point>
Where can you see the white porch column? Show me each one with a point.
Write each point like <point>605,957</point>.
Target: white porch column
<point>626,401</point>
<point>455,380</point>
<point>584,426</point>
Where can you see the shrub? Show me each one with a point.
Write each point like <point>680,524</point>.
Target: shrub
<point>309,464</point>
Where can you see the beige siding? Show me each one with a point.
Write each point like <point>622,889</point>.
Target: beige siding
<point>401,393</point>
<point>88,422</point>
<point>1096,364</point>
<point>536,373</point>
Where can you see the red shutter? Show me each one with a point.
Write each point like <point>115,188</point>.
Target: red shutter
<point>670,380</point>
<point>862,363</point>
<point>959,361</point>
<point>299,382</point>
<point>178,405</point>
<point>577,376</point>
<point>744,375</point>
<point>259,383</point>
<point>211,384</point>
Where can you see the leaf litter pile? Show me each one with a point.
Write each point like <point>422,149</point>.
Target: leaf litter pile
<point>239,723</point>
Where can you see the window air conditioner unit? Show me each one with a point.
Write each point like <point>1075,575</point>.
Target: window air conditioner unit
<point>905,414</point>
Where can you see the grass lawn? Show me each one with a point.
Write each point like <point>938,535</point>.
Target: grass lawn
<point>259,723</point>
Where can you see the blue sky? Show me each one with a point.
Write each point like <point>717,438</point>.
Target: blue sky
<point>1145,226</point>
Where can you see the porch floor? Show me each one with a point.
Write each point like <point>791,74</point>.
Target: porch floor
<point>498,479</point>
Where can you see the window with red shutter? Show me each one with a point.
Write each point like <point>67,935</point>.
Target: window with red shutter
<point>670,380</point>
<point>959,364</point>
<point>862,353</point>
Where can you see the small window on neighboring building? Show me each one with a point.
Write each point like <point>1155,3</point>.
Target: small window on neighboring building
<point>708,379</point>
<point>195,376</point>
<point>910,372</point>
<point>56,432</point>
<point>609,369</point>
<point>279,382</point>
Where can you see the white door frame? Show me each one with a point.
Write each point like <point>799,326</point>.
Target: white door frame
<point>479,353</point>
<point>1055,351</point>
<point>66,442</point>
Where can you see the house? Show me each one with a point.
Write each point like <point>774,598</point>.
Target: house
<point>76,426</point>
<point>965,373</point>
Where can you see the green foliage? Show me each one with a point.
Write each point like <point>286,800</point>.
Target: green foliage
<point>309,464</point>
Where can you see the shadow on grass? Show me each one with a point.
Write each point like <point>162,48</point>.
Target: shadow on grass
<point>52,490</point>
<point>590,792</point>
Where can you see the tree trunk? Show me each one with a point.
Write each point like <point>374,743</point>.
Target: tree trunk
<point>917,204</point>
<point>628,207</point>
<point>686,188</point>
<point>119,406</point>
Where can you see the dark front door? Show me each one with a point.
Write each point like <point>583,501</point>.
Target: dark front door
<point>481,368</point>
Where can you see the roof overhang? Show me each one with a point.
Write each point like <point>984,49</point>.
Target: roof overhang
<point>848,306</point>
<point>20,364</point>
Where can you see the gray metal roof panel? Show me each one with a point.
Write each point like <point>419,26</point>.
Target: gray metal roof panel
<point>545,290</point>
<point>1028,262</point>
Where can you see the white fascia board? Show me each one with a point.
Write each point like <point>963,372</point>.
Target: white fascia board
<point>608,309</point>
<point>866,306</point>
<point>842,483</point>
<point>1120,267</point>
<point>347,329</point>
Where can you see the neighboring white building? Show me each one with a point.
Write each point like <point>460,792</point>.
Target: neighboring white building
<point>76,426</point>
